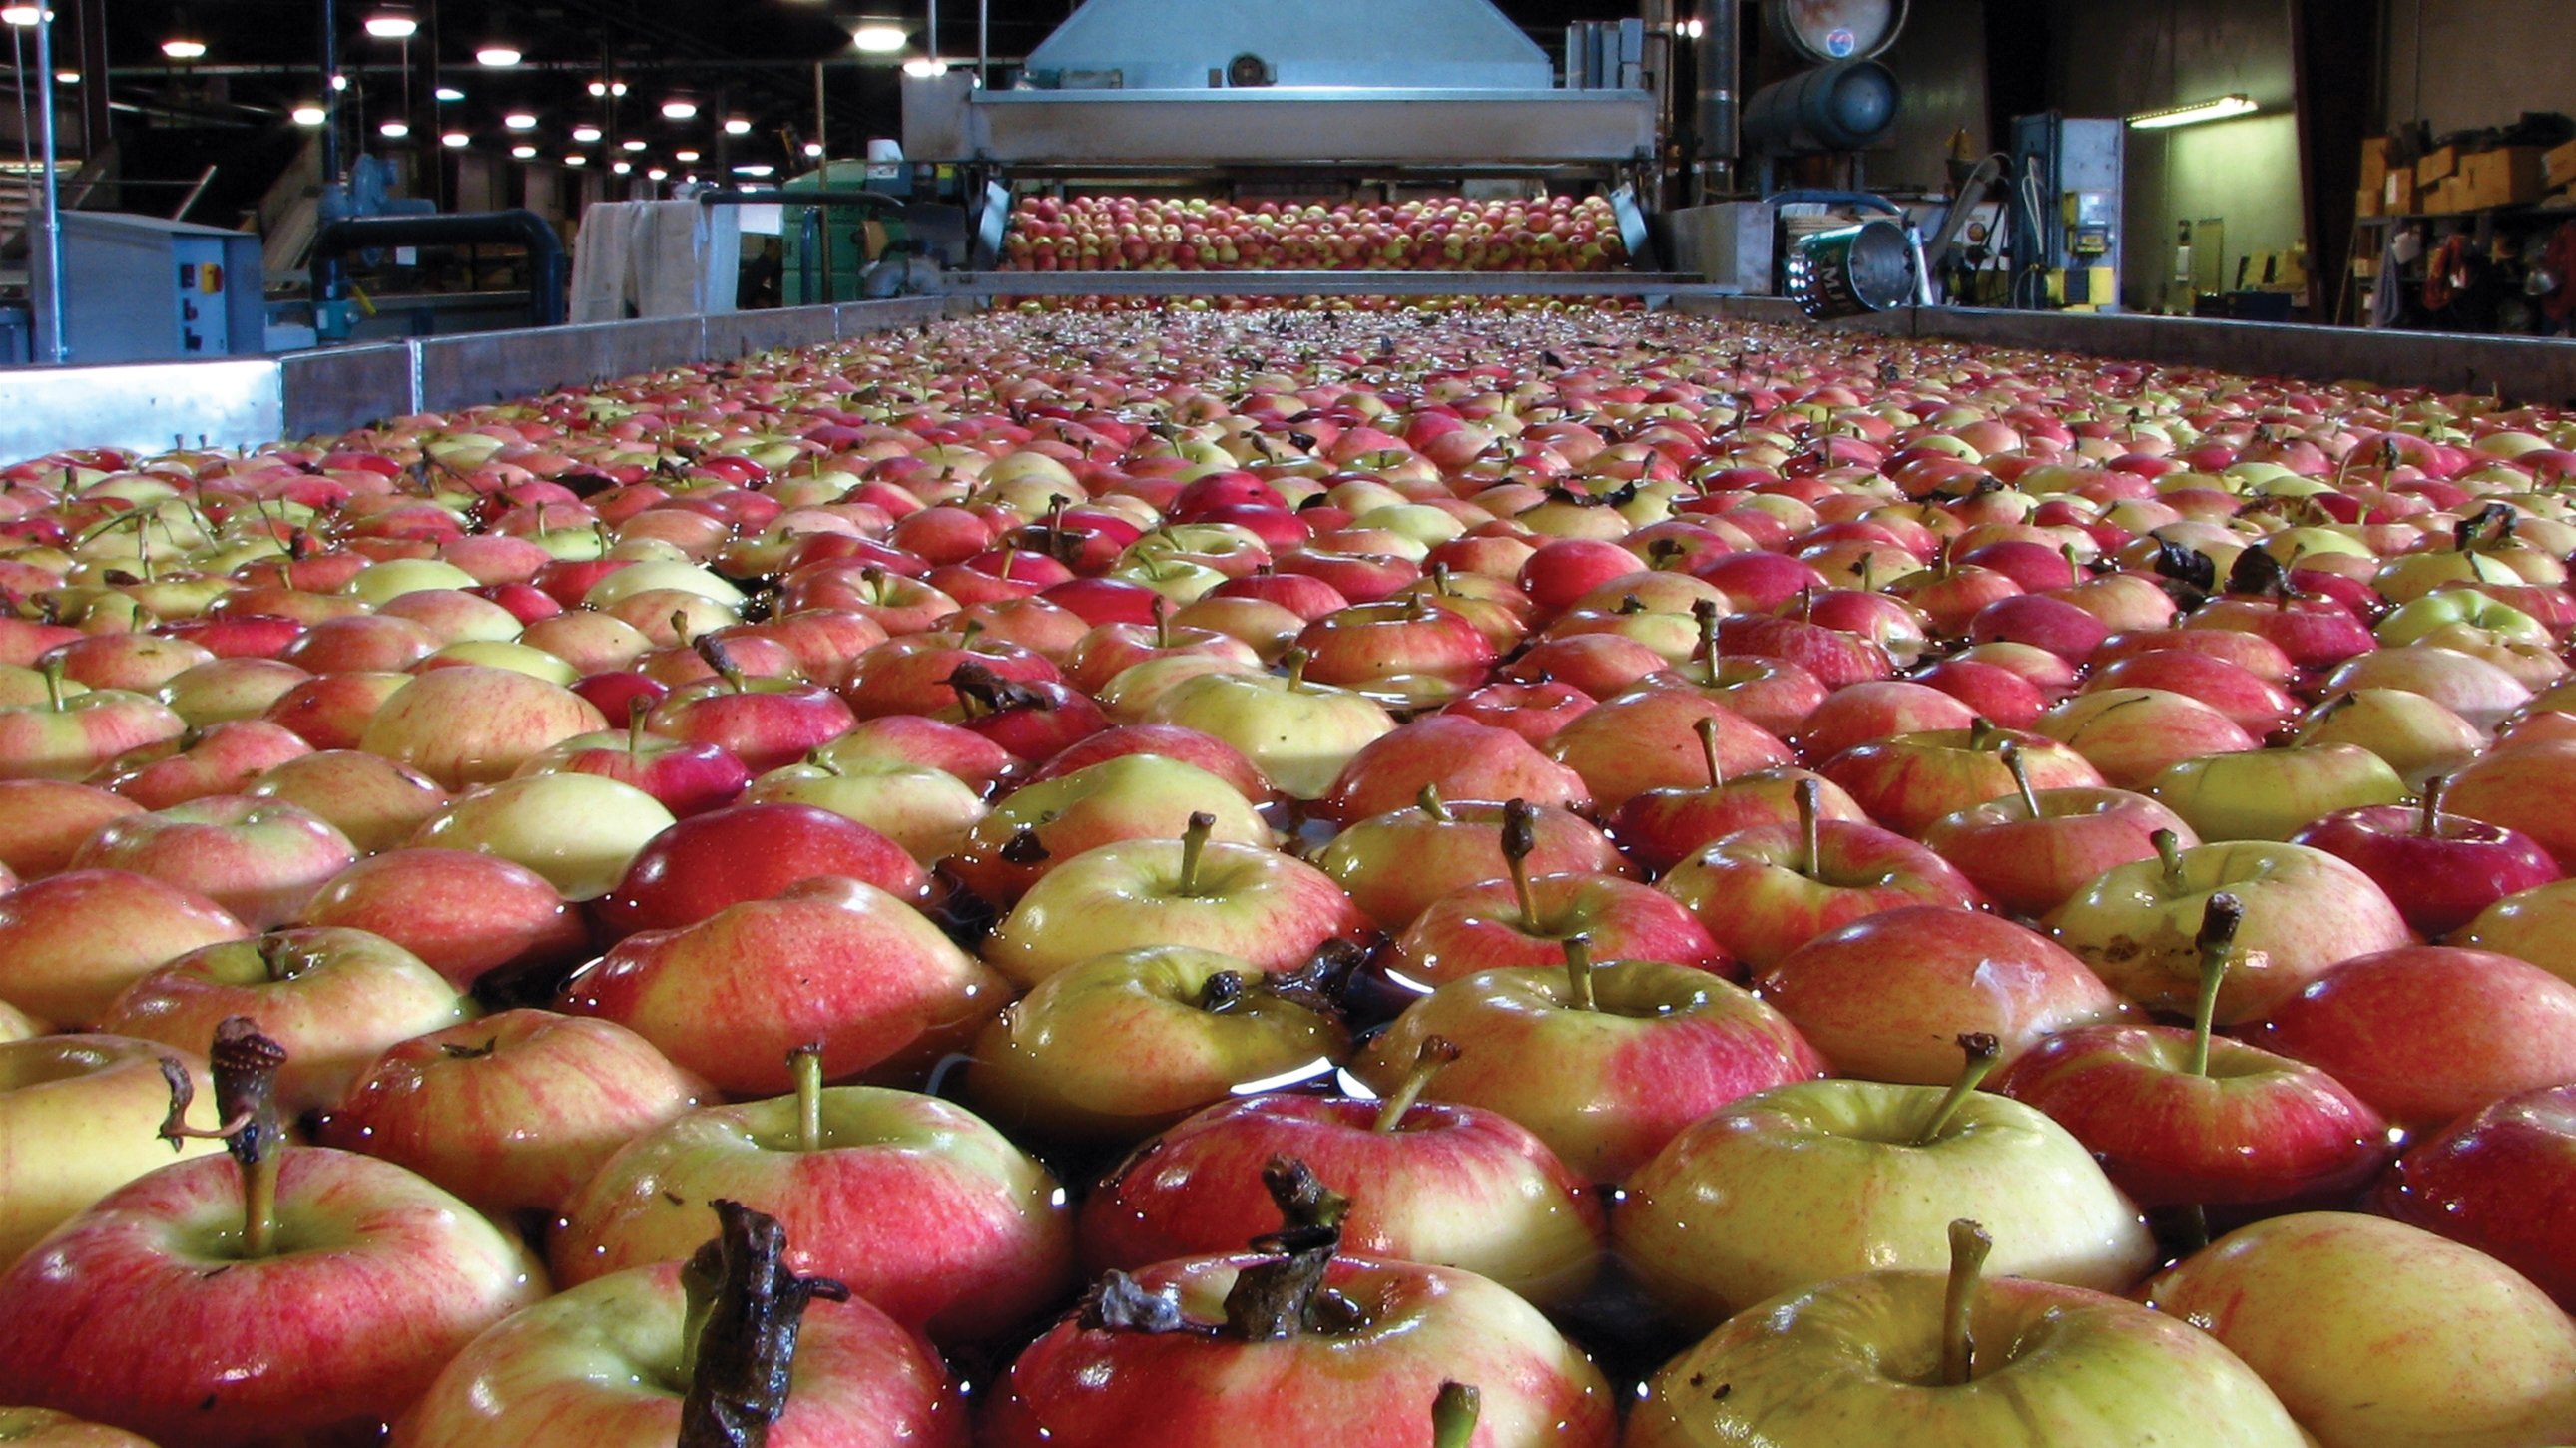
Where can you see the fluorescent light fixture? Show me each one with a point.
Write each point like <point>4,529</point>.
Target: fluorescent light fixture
<point>684,157</point>
<point>394,130</point>
<point>880,37</point>
<point>621,167</point>
<point>630,145</point>
<point>179,47</point>
<point>498,56</point>
<point>20,15</point>
<point>617,87</point>
<point>524,153</point>
<point>309,114</point>
<point>737,126</point>
<point>576,159</point>
<point>67,77</point>
<point>756,169</point>
<point>680,108</point>
<point>1692,29</point>
<point>599,88</point>
<point>449,93</point>
<point>520,121</point>
<point>2191,115</point>
<point>657,174</point>
<point>392,25</point>
<point>587,135</point>
<point>456,140</point>
<point>922,65</point>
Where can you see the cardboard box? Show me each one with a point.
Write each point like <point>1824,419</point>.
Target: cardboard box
<point>2560,164</point>
<point>2436,164</point>
<point>2442,198</point>
<point>2401,195</point>
<point>2508,176</point>
<point>2374,163</point>
<point>2366,201</point>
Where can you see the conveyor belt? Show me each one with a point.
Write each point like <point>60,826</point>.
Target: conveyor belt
<point>1324,284</point>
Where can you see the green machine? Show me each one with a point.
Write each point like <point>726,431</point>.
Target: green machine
<point>826,246</point>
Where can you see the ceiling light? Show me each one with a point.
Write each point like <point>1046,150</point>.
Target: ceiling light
<point>924,66</point>
<point>617,87</point>
<point>524,153</point>
<point>520,121</point>
<point>339,82</point>
<point>880,37</point>
<point>394,130</point>
<point>1693,28</point>
<point>587,135</point>
<point>679,108</point>
<point>657,174</point>
<point>498,56</point>
<point>684,157</point>
<point>456,140</point>
<point>630,145</point>
<point>18,14</point>
<point>67,77</point>
<point>621,167</point>
<point>180,47</point>
<point>814,148</point>
<point>757,169</point>
<point>737,126</point>
<point>309,114</point>
<point>449,93</point>
<point>599,87</point>
<point>2193,114</point>
<point>392,25</point>
<point>576,159</point>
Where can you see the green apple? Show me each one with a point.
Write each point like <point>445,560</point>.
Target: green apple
<point>79,1117</point>
<point>2272,794</point>
<point>580,831</point>
<point>1299,734</point>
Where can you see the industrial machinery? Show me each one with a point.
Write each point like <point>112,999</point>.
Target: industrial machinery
<point>144,289</point>
<point>2066,175</point>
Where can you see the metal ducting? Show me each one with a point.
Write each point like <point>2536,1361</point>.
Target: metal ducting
<point>1719,61</point>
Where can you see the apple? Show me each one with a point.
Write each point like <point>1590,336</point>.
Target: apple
<point>1624,747</point>
<point>1398,864</point>
<point>2441,870</point>
<point>2132,735</point>
<point>333,997</point>
<point>614,1362</point>
<point>226,759</point>
<point>1462,759</point>
<point>1635,1050</point>
<point>2375,1334</point>
<point>69,943</point>
<point>1913,780</point>
<point>2033,849</point>
<point>45,1428</point>
<point>875,983</point>
<point>2513,787</point>
<point>1299,734</point>
<point>1898,1356</point>
<point>464,914</point>
<point>78,1113</point>
<point>2426,1033</point>
<point>1815,1180</point>
<point>688,778</point>
<point>1240,900</point>
<point>744,852</point>
<point>475,725</point>
<point>2186,1118</point>
<point>254,1255</point>
<point>44,822</point>
<point>373,802</point>
<point>1186,1354</point>
<point>69,736</point>
<point>2306,912</point>
<point>579,831</point>
<point>1886,996</point>
<point>2493,1180</point>
<point>513,1112</point>
<point>1194,1027</point>
<point>924,1210</point>
<point>1764,891</point>
<point>1133,796</point>
<point>259,859</point>
<point>1450,1185</point>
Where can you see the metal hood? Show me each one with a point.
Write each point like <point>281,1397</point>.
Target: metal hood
<point>1376,44</point>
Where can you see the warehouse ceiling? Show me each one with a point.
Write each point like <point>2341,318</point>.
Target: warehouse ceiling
<point>749,61</point>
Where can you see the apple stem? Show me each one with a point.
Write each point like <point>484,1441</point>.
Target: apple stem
<point>53,671</point>
<point>1285,1297</point>
<point>1162,622</point>
<point>244,1066</point>
<point>807,1062</point>
<point>2169,854</point>
<point>2429,823</point>
<point>1440,580</point>
<point>1295,659</point>
<point>1578,971</point>
<point>2074,566</point>
<point>1984,1050</point>
<point>1193,842</point>
<point>680,627</point>
<point>2020,770</point>
<point>745,1311</point>
<point>1981,733</point>
<point>1811,828</point>
<point>1453,1416</point>
<point>2218,922</point>
<point>1520,837</point>
<point>1704,613</point>
<point>1706,729</point>
<point>636,709</point>
<point>1969,1244</point>
<point>720,659</point>
<point>1436,1052</point>
<point>1433,805</point>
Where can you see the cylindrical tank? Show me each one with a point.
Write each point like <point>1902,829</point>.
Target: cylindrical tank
<point>1852,270</point>
<point>1847,106</point>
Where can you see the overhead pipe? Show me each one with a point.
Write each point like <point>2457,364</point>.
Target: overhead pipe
<point>1719,61</point>
<point>549,273</point>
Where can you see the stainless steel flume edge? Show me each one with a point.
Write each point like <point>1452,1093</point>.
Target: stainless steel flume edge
<point>1321,284</point>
